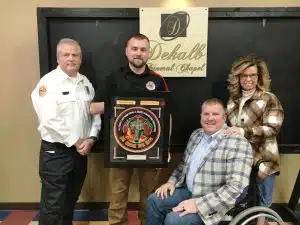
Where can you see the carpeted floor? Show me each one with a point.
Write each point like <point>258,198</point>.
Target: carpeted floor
<point>81,217</point>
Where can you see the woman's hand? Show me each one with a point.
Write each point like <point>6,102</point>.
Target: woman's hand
<point>233,131</point>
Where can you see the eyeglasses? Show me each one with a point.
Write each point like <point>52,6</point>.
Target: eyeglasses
<point>251,76</point>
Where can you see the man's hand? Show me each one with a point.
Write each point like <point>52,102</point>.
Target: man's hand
<point>163,190</point>
<point>186,207</point>
<point>78,143</point>
<point>85,147</point>
<point>97,108</point>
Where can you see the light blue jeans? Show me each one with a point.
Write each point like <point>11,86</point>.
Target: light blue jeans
<point>159,211</point>
<point>266,188</point>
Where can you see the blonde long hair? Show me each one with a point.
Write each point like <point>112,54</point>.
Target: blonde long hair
<point>239,66</point>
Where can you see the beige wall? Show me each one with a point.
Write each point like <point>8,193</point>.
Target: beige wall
<point>19,74</point>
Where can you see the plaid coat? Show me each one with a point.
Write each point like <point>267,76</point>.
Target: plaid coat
<point>262,117</point>
<point>221,177</point>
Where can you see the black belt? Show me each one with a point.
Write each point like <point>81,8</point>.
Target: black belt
<point>59,145</point>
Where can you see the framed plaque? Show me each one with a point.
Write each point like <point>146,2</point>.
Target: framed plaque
<point>137,129</point>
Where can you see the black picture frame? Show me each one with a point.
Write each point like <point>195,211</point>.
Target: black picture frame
<point>137,130</point>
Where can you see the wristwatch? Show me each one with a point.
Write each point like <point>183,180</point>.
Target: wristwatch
<point>93,138</point>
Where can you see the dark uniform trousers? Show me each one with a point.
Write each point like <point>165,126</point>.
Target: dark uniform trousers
<point>62,172</point>
<point>120,182</point>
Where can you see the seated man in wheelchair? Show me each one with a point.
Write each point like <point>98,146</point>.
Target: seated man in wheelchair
<point>212,176</point>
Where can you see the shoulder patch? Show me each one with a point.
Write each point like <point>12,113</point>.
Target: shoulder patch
<point>42,91</point>
<point>150,85</point>
<point>161,77</point>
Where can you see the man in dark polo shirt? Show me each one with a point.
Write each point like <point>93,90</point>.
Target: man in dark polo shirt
<point>135,77</point>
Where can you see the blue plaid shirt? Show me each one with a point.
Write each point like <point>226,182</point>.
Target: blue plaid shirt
<point>196,158</point>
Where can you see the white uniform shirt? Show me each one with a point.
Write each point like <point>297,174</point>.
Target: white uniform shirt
<point>62,105</point>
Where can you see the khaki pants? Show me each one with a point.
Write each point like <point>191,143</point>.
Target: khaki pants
<point>120,182</point>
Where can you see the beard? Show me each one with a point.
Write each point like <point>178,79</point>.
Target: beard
<point>137,63</point>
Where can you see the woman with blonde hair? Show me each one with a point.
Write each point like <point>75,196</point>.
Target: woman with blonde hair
<point>257,114</point>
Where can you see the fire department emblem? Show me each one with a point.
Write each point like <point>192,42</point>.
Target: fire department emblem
<point>137,129</point>
<point>42,91</point>
<point>150,85</point>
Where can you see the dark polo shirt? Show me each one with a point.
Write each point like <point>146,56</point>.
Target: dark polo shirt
<point>124,80</point>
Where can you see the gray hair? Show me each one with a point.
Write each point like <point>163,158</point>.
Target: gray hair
<point>67,41</point>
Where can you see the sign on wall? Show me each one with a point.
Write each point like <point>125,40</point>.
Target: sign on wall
<point>178,40</point>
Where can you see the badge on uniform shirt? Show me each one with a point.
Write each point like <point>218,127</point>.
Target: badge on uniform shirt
<point>87,90</point>
<point>65,92</point>
<point>42,91</point>
<point>150,85</point>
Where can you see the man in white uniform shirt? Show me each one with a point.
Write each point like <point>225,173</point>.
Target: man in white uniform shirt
<point>61,100</point>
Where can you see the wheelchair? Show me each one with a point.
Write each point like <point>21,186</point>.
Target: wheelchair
<point>248,210</point>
